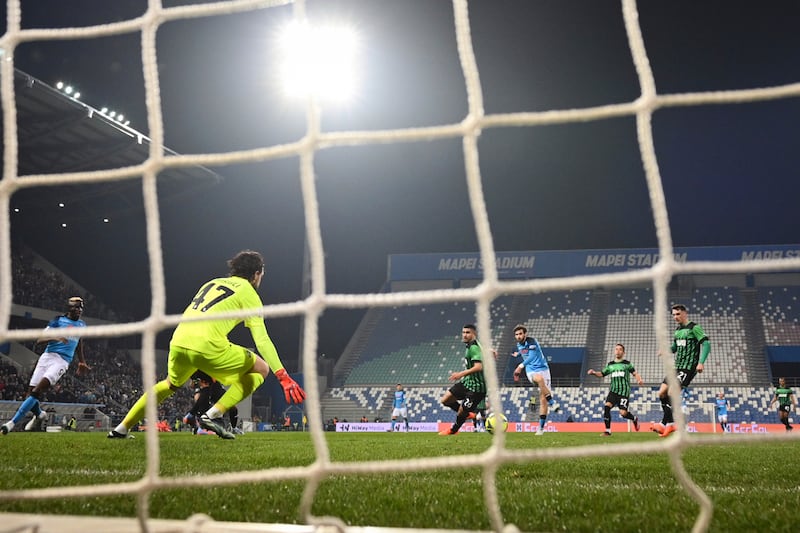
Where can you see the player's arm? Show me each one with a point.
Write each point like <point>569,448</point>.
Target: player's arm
<point>639,380</point>
<point>50,335</point>
<point>82,366</point>
<point>291,389</point>
<point>593,372</point>
<point>264,343</point>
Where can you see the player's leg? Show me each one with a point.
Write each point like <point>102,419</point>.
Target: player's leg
<point>607,417</point>
<point>451,399</point>
<point>239,368</point>
<point>542,380</point>
<point>49,369</point>
<point>178,372</point>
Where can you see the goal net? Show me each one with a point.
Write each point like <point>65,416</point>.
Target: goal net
<point>305,149</point>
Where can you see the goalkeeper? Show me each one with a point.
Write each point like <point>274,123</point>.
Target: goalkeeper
<point>204,345</point>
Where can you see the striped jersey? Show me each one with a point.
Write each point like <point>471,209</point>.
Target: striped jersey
<point>620,372</point>
<point>784,396</point>
<point>686,345</point>
<point>474,354</point>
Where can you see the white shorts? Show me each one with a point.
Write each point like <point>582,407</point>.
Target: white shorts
<point>51,366</point>
<point>723,418</point>
<point>400,411</point>
<point>545,375</point>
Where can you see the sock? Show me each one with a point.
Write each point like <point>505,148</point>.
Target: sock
<point>136,413</point>
<point>460,419</point>
<point>667,407</point>
<point>406,422</point>
<point>607,418</point>
<point>786,421</point>
<point>393,423</point>
<point>542,420</point>
<point>452,404</point>
<point>628,416</point>
<point>549,398</point>
<point>26,406</point>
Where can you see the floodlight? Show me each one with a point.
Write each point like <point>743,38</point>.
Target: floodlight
<point>318,61</point>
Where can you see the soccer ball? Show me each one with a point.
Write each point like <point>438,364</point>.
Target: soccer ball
<point>496,422</point>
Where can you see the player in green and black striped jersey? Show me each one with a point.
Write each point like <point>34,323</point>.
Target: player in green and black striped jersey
<point>691,347</point>
<point>620,370</point>
<point>465,396</point>
<point>786,402</point>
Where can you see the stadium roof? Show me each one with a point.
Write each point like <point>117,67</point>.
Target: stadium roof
<point>58,133</point>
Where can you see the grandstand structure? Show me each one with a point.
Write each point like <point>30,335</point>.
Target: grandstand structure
<point>753,321</point>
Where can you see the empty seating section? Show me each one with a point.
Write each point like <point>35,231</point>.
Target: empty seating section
<point>559,319</point>
<point>717,310</point>
<point>584,404</point>
<point>780,312</point>
<point>421,344</point>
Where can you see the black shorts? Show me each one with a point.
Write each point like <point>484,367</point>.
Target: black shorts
<point>785,409</point>
<point>469,399</point>
<point>617,400</point>
<point>685,376</point>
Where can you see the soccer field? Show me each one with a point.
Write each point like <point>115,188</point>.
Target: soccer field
<point>754,486</point>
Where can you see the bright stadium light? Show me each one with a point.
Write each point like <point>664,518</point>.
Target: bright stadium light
<point>318,61</point>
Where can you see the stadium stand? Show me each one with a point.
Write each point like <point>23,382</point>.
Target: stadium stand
<point>583,404</point>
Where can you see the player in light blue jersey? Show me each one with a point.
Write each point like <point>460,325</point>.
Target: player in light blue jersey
<point>63,343</point>
<point>722,411</point>
<point>536,368</point>
<point>399,408</point>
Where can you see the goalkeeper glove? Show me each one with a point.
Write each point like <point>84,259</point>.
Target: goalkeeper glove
<point>293,392</point>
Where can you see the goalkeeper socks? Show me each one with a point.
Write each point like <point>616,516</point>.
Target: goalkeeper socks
<point>136,414</point>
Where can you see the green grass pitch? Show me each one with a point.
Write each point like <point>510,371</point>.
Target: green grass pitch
<point>754,486</point>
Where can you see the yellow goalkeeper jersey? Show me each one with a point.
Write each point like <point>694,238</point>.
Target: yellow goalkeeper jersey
<point>224,295</point>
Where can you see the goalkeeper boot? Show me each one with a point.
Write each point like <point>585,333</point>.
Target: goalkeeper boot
<point>35,423</point>
<point>214,425</point>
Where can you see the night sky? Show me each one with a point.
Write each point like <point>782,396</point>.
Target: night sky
<point>729,171</point>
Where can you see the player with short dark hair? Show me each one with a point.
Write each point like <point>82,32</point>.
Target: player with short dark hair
<point>691,347</point>
<point>63,343</point>
<point>204,345</point>
<point>536,368</point>
<point>786,402</point>
<point>470,387</point>
<point>619,393</point>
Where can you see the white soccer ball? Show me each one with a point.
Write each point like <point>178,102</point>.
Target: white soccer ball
<point>496,422</point>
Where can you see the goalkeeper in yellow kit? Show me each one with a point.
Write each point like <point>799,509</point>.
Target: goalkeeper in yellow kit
<point>204,345</point>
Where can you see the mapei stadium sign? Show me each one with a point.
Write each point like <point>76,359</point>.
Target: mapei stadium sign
<point>547,264</point>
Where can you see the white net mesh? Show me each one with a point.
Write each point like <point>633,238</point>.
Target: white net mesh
<point>468,129</point>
